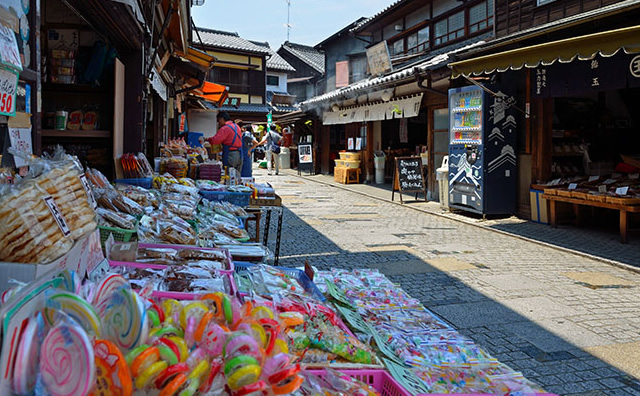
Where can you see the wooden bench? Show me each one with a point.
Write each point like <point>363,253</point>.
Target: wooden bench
<point>624,210</point>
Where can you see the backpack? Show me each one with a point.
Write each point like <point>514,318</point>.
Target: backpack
<point>275,147</point>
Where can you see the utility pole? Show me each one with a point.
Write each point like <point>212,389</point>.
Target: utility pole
<point>288,18</point>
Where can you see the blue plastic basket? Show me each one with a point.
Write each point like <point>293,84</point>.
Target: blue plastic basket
<point>299,275</point>
<point>145,182</point>
<point>236,198</point>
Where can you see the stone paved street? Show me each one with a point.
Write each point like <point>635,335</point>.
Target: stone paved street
<point>567,321</point>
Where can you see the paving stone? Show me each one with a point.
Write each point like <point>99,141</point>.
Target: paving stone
<point>565,389</point>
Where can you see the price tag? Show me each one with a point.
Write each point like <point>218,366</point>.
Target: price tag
<point>593,178</point>
<point>573,186</point>
<point>622,190</point>
<point>8,90</point>
<point>20,139</point>
<point>608,181</point>
<point>55,211</point>
<point>602,188</point>
<point>87,189</point>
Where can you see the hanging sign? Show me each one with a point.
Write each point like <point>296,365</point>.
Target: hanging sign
<point>8,91</point>
<point>9,54</point>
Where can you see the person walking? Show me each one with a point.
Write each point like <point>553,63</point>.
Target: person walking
<point>248,144</point>
<point>230,136</point>
<point>272,140</point>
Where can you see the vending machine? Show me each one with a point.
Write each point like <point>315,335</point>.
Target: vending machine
<point>482,151</point>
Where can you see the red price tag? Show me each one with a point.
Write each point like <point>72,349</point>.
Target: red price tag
<point>8,89</point>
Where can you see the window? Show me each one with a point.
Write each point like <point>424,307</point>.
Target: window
<point>236,79</point>
<point>357,68</point>
<point>419,41</point>
<point>450,28</point>
<point>273,80</point>
<point>481,16</point>
<point>398,47</point>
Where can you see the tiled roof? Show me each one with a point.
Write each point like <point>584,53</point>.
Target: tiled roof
<point>367,21</point>
<point>307,54</point>
<point>279,108</point>
<point>228,40</point>
<point>242,108</point>
<point>407,73</point>
<point>275,61</point>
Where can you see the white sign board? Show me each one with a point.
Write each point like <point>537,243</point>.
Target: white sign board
<point>21,141</point>
<point>9,54</point>
<point>378,58</point>
<point>305,154</point>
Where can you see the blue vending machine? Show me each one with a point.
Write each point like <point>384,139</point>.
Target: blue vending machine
<point>482,151</point>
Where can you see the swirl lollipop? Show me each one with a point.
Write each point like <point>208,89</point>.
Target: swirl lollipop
<point>67,362</point>
<point>76,307</point>
<point>24,374</point>
<point>124,320</point>
<point>105,288</point>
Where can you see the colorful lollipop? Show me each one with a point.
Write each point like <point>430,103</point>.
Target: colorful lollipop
<point>124,320</point>
<point>24,374</point>
<point>67,363</point>
<point>77,308</point>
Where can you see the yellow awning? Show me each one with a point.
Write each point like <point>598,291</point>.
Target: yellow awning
<point>582,47</point>
<point>198,57</point>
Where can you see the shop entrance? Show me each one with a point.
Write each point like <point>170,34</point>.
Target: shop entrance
<point>403,137</point>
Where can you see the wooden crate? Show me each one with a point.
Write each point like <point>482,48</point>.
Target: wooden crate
<point>563,193</point>
<point>551,191</point>
<point>596,197</point>
<point>623,201</point>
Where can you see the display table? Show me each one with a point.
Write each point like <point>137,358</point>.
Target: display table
<point>268,206</point>
<point>623,209</point>
<point>347,175</point>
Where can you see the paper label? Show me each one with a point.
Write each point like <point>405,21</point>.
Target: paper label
<point>573,186</point>
<point>21,141</point>
<point>55,211</point>
<point>608,181</point>
<point>593,178</point>
<point>87,189</point>
<point>622,190</point>
<point>602,188</point>
<point>8,91</point>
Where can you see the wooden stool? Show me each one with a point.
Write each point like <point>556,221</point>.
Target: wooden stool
<point>348,175</point>
<point>256,215</point>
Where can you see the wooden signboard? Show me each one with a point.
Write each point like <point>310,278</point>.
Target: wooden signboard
<point>408,177</point>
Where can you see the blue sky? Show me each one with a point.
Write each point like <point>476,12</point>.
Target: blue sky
<point>264,20</point>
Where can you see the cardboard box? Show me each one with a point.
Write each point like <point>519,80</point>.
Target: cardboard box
<point>83,256</point>
<point>277,201</point>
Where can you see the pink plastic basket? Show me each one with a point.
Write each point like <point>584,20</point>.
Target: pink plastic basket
<point>380,380</point>
<point>228,271</point>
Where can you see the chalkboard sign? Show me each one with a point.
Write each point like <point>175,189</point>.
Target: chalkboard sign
<point>409,177</point>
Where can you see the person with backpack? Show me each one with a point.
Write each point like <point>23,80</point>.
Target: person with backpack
<point>249,143</point>
<point>230,136</point>
<point>273,140</point>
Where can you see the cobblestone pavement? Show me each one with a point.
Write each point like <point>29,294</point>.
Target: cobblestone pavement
<point>568,322</point>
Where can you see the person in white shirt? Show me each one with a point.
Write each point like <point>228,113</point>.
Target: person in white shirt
<point>273,140</point>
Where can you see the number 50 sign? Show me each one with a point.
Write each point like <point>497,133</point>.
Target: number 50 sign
<point>8,89</point>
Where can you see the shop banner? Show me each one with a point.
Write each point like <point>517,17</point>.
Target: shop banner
<point>8,91</point>
<point>633,72</point>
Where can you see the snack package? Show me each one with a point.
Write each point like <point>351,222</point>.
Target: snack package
<point>110,218</point>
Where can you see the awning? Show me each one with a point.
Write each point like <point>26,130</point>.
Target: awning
<point>405,107</point>
<point>198,57</point>
<point>582,47</point>
<point>214,93</point>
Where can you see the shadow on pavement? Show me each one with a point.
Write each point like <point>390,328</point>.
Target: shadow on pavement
<point>543,357</point>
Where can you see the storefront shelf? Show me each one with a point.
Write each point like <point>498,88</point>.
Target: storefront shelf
<point>75,134</point>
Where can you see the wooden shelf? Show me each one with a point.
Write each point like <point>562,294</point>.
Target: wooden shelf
<point>75,134</point>
<point>80,88</point>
